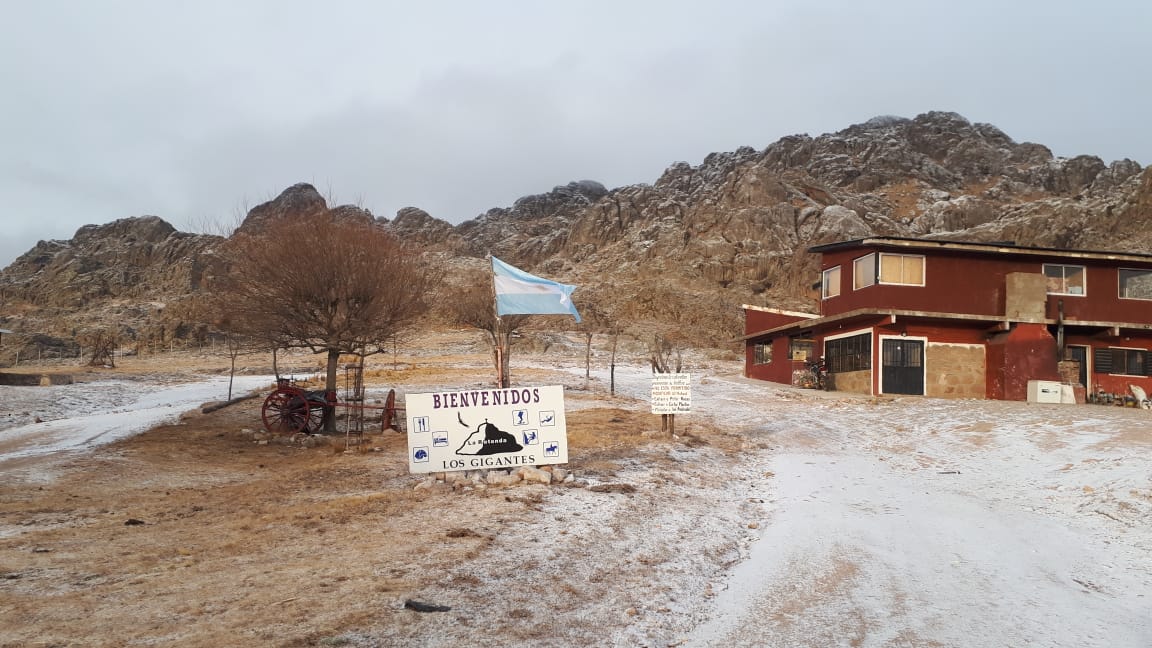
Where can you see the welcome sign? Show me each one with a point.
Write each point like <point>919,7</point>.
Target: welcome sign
<point>486,428</point>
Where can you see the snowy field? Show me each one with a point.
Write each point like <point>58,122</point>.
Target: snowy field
<point>925,522</point>
<point>846,521</point>
<point>83,415</point>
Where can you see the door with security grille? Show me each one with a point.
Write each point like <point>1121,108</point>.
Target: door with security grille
<point>902,367</point>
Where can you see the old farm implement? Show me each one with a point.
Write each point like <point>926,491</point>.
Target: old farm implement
<point>292,409</point>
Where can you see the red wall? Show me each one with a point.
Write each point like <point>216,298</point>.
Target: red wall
<point>938,332</point>
<point>758,320</point>
<point>1115,384</point>
<point>963,282</point>
<point>779,370</point>
<point>1027,352</point>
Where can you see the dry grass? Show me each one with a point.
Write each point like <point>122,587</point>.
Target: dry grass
<point>240,543</point>
<point>249,544</point>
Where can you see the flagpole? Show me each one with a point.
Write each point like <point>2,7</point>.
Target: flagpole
<point>497,330</point>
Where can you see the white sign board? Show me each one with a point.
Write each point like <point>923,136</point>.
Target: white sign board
<point>486,428</point>
<point>672,393</point>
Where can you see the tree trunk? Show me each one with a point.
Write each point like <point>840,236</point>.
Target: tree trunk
<point>612,367</point>
<point>587,358</point>
<point>505,371</point>
<point>498,361</point>
<point>231,377</point>
<point>330,390</point>
<point>497,354</point>
<point>501,341</point>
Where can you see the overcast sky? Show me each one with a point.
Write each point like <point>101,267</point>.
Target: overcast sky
<point>194,111</point>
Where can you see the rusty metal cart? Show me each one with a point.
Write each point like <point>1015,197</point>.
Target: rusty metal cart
<point>291,409</point>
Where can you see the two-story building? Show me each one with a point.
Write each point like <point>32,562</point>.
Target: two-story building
<point>964,320</point>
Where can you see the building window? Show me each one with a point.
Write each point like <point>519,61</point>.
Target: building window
<point>902,269</point>
<point>864,272</point>
<point>1064,279</point>
<point>852,353</point>
<point>830,283</point>
<point>801,349</point>
<point>1125,362</point>
<point>1135,284</point>
<point>762,354</point>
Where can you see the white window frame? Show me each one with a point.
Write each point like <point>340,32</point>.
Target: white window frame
<point>1120,284</point>
<point>864,261</point>
<point>880,269</point>
<point>825,293</point>
<point>1064,278</point>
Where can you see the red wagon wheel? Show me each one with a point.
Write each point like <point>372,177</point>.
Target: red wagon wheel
<point>316,412</point>
<point>286,411</point>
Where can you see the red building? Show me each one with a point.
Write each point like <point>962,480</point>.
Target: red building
<point>964,320</point>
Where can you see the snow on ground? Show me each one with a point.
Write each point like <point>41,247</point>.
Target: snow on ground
<point>82,415</point>
<point>958,523</point>
<point>919,522</point>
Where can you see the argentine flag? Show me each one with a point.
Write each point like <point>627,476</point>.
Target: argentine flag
<point>520,293</point>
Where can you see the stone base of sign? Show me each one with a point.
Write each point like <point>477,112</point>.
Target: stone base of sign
<point>479,479</point>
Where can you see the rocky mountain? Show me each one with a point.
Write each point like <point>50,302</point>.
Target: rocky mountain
<point>680,253</point>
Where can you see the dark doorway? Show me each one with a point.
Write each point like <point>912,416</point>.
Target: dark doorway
<point>902,370</point>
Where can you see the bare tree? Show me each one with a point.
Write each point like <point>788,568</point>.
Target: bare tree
<point>596,319</point>
<point>235,345</point>
<point>103,347</point>
<point>473,304</point>
<point>332,286</point>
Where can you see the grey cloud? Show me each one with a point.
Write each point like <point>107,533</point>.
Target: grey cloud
<point>191,111</point>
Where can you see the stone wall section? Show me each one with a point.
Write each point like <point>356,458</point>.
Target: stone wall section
<point>853,382</point>
<point>955,371</point>
<point>1069,372</point>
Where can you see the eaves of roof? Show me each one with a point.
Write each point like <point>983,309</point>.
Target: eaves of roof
<point>895,242</point>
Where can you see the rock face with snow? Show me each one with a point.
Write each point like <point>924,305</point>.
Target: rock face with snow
<point>300,200</point>
<point>682,252</point>
<point>130,257</point>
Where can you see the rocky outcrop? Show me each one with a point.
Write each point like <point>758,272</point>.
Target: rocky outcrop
<point>534,227</point>
<point>299,200</point>
<point>683,251</point>
<point>418,227</point>
<point>738,220</point>
<point>128,258</point>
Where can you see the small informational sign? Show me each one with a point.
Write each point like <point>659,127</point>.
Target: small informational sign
<point>672,393</point>
<point>486,428</point>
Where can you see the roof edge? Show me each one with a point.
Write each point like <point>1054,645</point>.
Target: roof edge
<point>974,246</point>
<point>779,311</point>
